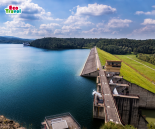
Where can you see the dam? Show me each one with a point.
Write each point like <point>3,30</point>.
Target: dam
<point>119,101</point>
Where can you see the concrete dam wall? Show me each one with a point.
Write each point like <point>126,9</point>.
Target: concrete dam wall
<point>147,98</point>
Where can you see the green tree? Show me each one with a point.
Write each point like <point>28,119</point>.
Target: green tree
<point>111,125</point>
<point>151,125</point>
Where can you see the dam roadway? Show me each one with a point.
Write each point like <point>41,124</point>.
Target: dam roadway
<point>93,68</point>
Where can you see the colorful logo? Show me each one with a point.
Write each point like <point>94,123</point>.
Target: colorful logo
<point>13,10</point>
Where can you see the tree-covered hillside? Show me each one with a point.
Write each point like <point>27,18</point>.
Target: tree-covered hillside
<point>124,46</point>
<point>64,43</point>
<point>113,46</point>
<point>12,40</point>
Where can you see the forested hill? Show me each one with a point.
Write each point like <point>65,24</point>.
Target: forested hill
<point>113,46</point>
<point>12,40</point>
<point>64,43</point>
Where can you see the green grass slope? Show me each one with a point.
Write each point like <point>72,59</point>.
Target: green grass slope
<point>143,69</point>
<point>127,72</point>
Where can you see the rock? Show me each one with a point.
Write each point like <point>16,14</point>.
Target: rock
<point>2,118</point>
<point>17,125</point>
<point>9,124</point>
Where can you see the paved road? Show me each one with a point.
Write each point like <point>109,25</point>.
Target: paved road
<point>109,105</point>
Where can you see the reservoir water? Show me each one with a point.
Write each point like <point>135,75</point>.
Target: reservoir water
<point>35,83</point>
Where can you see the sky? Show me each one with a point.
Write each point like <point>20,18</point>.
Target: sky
<point>133,19</point>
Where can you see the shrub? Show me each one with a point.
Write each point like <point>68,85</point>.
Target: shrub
<point>151,125</point>
<point>111,125</point>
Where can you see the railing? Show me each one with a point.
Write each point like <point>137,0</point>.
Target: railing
<point>47,122</point>
<point>94,100</point>
<point>116,107</point>
<point>118,112</point>
<point>106,117</point>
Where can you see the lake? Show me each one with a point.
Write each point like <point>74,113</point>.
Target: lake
<point>35,83</point>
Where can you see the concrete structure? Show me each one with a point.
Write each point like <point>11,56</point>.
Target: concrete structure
<point>123,107</point>
<point>106,110</point>
<point>147,98</point>
<point>60,121</point>
<point>91,67</point>
<point>111,113</point>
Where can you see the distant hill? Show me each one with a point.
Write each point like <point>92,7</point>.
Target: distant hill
<point>64,43</point>
<point>113,46</point>
<point>13,40</point>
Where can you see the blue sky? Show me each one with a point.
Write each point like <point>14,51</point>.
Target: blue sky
<point>134,19</point>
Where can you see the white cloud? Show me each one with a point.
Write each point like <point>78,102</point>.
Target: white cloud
<point>115,32</point>
<point>153,6</point>
<point>97,31</point>
<point>95,10</point>
<point>109,27</point>
<point>78,20</point>
<point>83,23</point>
<point>30,10</point>
<point>9,2</point>
<point>70,28</point>
<point>100,24</point>
<point>146,13</point>
<point>22,29</point>
<point>149,29</point>
<point>17,24</point>
<point>48,26</point>
<point>16,28</point>
<point>73,19</point>
<point>118,23</point>
<point>148,21</point>
<point>67,30</point>
<point>139,12</point>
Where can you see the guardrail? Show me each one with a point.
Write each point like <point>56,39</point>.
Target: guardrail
<point>116,107</point>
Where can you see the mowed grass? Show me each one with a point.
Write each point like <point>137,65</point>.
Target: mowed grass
<point>127,72</point>
<point>144,70</point>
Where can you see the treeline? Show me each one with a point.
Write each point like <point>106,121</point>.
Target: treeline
<point>148,58</point>
<point>113,46</point>
<point>126,46</point>
<point>64,43</point>
<point>12,40</point>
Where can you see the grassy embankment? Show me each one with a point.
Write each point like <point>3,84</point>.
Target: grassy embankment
<point>127,72</point>
<point>142,67</point>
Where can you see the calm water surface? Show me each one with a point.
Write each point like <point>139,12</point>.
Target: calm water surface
<point>35,83</point>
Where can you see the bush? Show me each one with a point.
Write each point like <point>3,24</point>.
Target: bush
<point>151,125</point>
<point>111,125</point>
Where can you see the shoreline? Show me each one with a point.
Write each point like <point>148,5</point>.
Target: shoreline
<point>9,124</point>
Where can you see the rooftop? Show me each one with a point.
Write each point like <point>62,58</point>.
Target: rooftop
<point>61,121</point>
